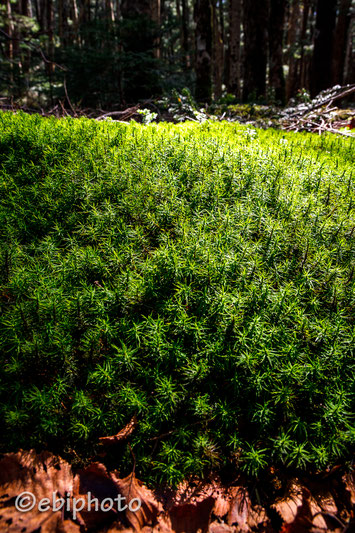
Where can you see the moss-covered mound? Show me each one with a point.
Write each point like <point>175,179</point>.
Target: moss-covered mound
<point>200,277</point>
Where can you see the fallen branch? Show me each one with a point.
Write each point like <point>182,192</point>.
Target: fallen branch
<point>123,115</point>
<point>350,89</point>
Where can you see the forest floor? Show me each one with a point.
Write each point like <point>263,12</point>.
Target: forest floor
<point>331,111</point>
<point>177,304</point>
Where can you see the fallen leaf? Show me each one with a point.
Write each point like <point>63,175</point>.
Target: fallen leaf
<point>298,509</point>
<point>133,489</point>
<point>41,475</point>
<point>96,482</point>
<point>191,517</point>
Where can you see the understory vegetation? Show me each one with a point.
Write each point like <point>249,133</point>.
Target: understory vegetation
<point>198,276</point>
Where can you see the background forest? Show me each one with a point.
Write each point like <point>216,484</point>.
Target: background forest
<point>111,53</point>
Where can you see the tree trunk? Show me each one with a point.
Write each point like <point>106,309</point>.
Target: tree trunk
<point>110,11</point>
<point>255,17</point>
<point>323,44</point>
<point>185,33</point>
<point>50,66</point>
<point>155,14</point>
<point>276,28</point>
<point>234,55</point>
<point>340,41</point>
<point>292,41</point>
<point>349,73</point>
<point>221,20</point>
<point>75,19</point>
<point>217,54</point>
<point>203,35</point>
<point>118,10</point>
<point>305,58</point>
<point>9,42</point>
<point>25,8</point>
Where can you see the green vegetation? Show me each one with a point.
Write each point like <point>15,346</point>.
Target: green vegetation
<point>200,276</point>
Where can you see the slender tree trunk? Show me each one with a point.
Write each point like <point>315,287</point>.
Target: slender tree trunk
<point>305,58</point>
<point>276,28</point>
<point>43,15</point>
<point>75,19</point>
<point>110,11</point>
<point>292,41</point>
<point>322,57</point>
<point>255,17</point>
<point>50,66</point>
<point>61,21</point>
<point>234,50</point>
<point>203,35</point>
<point>217,54</point>
<point>118,10</point>
<point>16,11</point>
<point>185,33</point>
<point>9,42</point>
<point>349,72</point>
<point>26,11</point>
<point>340,41</point>
<point>155,15</point>
<point>221,20</point>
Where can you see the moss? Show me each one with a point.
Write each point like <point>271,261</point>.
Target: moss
<point>200,276</point>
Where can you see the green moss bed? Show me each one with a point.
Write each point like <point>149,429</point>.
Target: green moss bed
<point>198,276</point>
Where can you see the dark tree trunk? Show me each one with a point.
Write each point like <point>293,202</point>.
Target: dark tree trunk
<point>340,41</point>
<point>50,66</point>
<point>25,7</point>
<point>276,28</point>
<point>221,20</point>
<point>203,20</point>
<point>292,41</point>
<point>185,32</point>
<point>323,45</point>
<point>155,14</point>
<point>349,72</point>
<point>234,57</point>
<point>217,54</point>
<point>255,17</point>
<point>305,57</point>
<point>9,43</point>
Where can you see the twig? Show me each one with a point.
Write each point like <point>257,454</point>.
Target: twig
<point>68,99</point>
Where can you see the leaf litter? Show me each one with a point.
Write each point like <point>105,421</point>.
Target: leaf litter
<point>194,507</point>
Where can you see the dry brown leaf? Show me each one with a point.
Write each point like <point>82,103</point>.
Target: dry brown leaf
<point>121,435</point>
<point>239,508</point>
<point>95,480</point>
<point>300,512</point>
<point>191,517</point>
<point>189,509</point>
<point>243,515</point>
<point>42,475</point>
<point>221,507</point>
<point>131,488</point>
